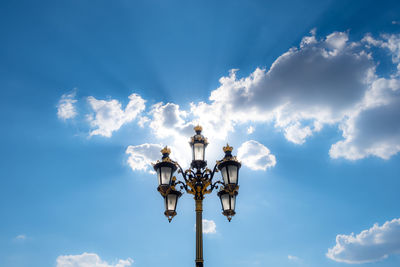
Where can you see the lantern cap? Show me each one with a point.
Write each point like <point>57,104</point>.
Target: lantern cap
<point>165,150</point>
<point>165,155</point>
<point>198,137</point>
<point>227,148</point>
<point>198,129</point>
<point>165,160</point>
<point>228,158</point>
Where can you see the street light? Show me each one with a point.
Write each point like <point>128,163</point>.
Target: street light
<point>228,200</point>
<point>171,200</point>
<point>198,181</point>
<point>198,143</point>
<point>165,169</point>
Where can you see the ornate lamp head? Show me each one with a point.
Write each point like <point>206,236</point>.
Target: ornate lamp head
<point>228,202</point>
<point>198,143</point>
<point>171,201</point>
<point>229,167</point>
<point>165,168</point>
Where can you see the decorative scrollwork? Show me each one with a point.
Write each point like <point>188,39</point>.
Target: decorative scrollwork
<point>198,179</point>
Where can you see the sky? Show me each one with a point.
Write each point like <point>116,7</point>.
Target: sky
<point>307,93</point>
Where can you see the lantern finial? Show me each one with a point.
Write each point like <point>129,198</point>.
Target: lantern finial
<point>165,154</point>
<point>198,129</point>
<point>227,148</point>
<point>165,150</point>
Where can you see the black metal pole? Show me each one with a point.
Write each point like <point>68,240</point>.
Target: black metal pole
<point>199,233</point>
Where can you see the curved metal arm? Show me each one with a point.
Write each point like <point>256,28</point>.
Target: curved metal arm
<point>192,173</point>
<point>188,175</point>
<point>183,185</point>
<point>213,172</point>
<point>181,170</point>
<point>214,185</point>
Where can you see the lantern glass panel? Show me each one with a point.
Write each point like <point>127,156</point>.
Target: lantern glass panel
<point>198,151</point>
<point>225,201</point>
<point>170,202</point>
<point>224,175</point>
<point>233,202</point>
<point>159,176</point>
<point>233,171</point>
<point>166,173</point>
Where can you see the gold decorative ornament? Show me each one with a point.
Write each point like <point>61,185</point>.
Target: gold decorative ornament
<point>165,150</point>
<point>167,159</point>
<point>198,181</point>
<point>198,128</point>
<point>227,148</point>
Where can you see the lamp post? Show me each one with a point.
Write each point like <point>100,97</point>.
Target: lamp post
<point>198,181</point>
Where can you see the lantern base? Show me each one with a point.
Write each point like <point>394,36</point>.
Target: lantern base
<point>232,189</point>
<point>229,214</point>
<point>198,164</point>
<point>164,189</point>
<point>170,214</point>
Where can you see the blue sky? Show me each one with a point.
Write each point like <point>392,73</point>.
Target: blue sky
<point>307,93</point>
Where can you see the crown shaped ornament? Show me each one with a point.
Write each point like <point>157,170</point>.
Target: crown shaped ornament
<point>198,128</point>
<point>227,148</point>
<point>165,150</point>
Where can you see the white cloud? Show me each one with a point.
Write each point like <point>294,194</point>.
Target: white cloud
<point>316,84</point>
<point>216,119</point>
<point>324,81</point>
<point>297,134</point>
<point>141,156</point>
<point>175,127</point>
<point>169,120</point>
<point>89,260</point>
<point>66,106</point>
<point>143,121</point>
<point>392,42</point>
<point>250,130</point>
<point>375,128</point>
<point>256,156</point>
<point>387,41</point>
<point>209,227</point>
<point>309,39</point>
<point>370,245</point>
<point>109,116</point>
<point>293,258</point>
<point>337,40</point>
<point>20,237</point>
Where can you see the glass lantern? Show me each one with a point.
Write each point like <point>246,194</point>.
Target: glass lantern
<point>198,151</point>
<point>171,201</point>
<point>198,143</point>
<point>165,169</point>
<point>228,201</point>
<point>229,167</point>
